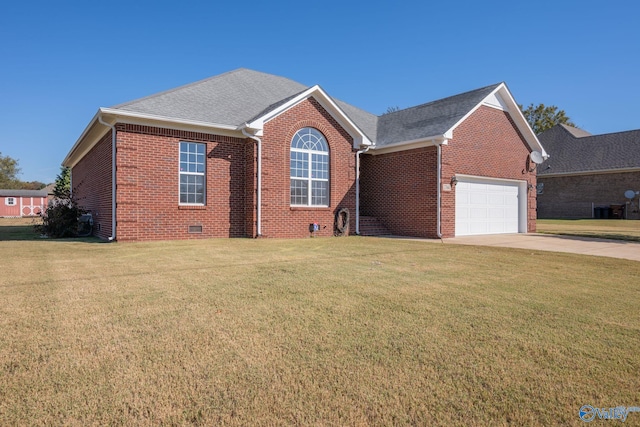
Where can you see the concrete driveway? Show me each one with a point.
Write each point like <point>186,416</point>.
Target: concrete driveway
<point>555,243</point>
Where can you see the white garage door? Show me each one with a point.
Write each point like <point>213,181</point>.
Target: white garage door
<point>487,207</point>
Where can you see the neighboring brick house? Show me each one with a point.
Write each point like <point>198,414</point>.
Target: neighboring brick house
<point>247,154</point>
<point>22,203</point>
<point>587,176</point>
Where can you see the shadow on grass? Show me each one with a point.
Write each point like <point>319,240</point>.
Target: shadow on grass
<point>604,236</point>
<point>27,233</point>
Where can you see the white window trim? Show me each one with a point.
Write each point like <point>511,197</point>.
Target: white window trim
<point>10,201</point>
<point>203,174</point>
<point>309,179</point>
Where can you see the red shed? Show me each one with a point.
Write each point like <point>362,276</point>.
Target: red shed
<point>22,203</point>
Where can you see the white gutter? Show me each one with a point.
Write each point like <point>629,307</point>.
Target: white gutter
<point>113,176</point>
<point>259,181</point>
<point>358,188</point>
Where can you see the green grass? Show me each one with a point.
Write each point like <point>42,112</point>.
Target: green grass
<point>616,229</point>
<point>335,331</point>
<point>18,228</point>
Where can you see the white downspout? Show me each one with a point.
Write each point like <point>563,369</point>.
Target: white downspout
<point>358,188</point>
<point>258,183</point>
<point>439,197</point>
<point>113,177</point>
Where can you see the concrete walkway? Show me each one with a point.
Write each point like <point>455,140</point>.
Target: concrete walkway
<point>555,243</point>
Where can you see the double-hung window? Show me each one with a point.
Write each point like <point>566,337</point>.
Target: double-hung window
<point>192,173</point>
<point>309,168</point>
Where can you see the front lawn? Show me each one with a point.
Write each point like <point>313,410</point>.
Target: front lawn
<point>327,331</point>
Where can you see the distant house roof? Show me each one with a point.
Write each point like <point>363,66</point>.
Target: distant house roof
<point>574,151</point>
<point>577,132</point>
<point>49,188</point>
<point>23,193</point>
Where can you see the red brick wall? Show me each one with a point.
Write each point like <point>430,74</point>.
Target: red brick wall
<point>400,190</point>
<point>573,196</point>
<point>91,182</point>
<point>148,185</point>
<point>279,219</point>
<point>488,144</point>
<point>148,182</point>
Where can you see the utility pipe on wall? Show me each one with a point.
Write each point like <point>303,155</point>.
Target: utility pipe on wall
<point>259,181</point>
<point>113,177</point>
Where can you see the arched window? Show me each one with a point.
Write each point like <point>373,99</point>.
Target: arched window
<point>309,168</point>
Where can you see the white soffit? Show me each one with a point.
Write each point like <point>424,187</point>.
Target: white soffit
<point>495,101</point>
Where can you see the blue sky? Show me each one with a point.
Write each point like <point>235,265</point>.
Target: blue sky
<point>61,61</point>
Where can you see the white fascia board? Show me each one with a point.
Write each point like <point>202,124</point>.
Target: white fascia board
<point>410,145</point>
<point>512,108</point>
<point>359,138</point>
<point>593,172</point>
<point>130,117</point>
<point>521,122</point>
<point>67,159</point>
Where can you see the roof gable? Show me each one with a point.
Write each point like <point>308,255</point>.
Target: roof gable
<point>436,121</point>
<point>359,137</point>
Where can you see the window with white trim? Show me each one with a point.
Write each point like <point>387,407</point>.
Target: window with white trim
<point>309,168</point>
<point>192,173</point>
<point>10,201</point>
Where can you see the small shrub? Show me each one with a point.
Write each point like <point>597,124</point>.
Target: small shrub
<point>60,219</point>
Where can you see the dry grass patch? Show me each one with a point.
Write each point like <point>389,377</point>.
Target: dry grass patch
<point>599,228</point>
<point>353,331</point>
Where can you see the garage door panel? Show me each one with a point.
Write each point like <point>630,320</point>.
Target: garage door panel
<point>497,213</point>
<point>486,207</point>
<point>497,199</point>
<point>477,198</point>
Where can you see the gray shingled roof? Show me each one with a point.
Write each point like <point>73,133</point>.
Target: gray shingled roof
<point>233,98</point>
<point>230,98</point>
<point>571,154</point>
<point>23,193</point>
<point>242,95</point>
<point>426,120</point>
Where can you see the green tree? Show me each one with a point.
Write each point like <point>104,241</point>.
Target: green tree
<point>541,117</point>
<point>9,171</point>
<point>32,185</point>
<point>63,183</point>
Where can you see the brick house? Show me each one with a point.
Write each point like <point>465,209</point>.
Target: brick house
<point>248,154</point>
<point>589,176</point>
